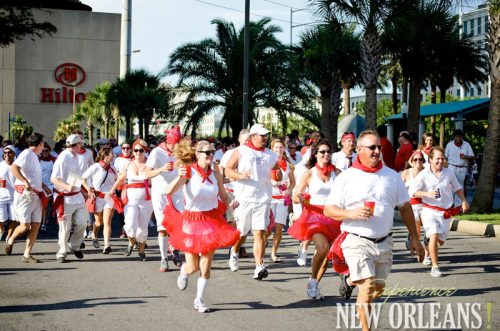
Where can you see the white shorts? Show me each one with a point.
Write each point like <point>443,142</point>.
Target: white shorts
<point>27,212</point>
<point>106,203</point>
<point>434,223</point>
<point>280,211</point>
<point>367,259</point>
<point>417,210</point>
<point>7,212</point>
<point>252,216</point>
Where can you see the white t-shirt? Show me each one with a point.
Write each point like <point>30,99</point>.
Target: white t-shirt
<point>258,187</point>
<point>452,153</point>
<point>85,160</point>
<point>120,163</point>
<point>297,159</point>
<point>201,196</point>
<point>232,185</point>
<point>353,187</point>
<point>7,192</point>
<point>218,155</point>
<point>65,164</point>
<point>96,175</point>
<point>427,181</point>
<point>157,159</point>
<point>339,160</point>
<point>30,169</point>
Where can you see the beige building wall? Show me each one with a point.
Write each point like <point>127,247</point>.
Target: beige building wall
<point>90,40</point>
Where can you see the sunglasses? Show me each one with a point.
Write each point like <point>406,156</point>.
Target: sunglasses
<point>373,147</point>
<point>324,151</point>
<point>415,160</point>
<point>8,152</point>
<point>125,148</point>
<point>139,150</point>
<point>207,152</point>
<point>45,151</point>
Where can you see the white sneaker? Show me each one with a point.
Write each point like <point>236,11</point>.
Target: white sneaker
<point>313,290</point>
<point>200,306</point>
<point>302,258</point>
<point>90,234</point>
<point>260,272</point>
<point>435,272</point>
<point>182,282</point>
<point>234,262</point>
<point>427,260</point>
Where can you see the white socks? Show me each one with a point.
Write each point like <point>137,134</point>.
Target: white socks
<point>200,290</point>
<point>163,243</point>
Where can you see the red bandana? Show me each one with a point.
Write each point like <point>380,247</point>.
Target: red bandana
<point>326,170</point>
<point>204,174</point>
<point>163,146</point>
<point>427,150</point>
<point>173,135</point>
<point>106,166</point>
<point>252,146</point>
<point>357,164</point>
<point>82,151</point>
<point>125,157</point>
<point>282,163</point>
<point>49,158</point>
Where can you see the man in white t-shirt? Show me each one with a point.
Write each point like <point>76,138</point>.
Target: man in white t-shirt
<point>160,168</point>
<point>458,153</point>
<point>69,203</point>
<point>28,203</point>
<point>251,165</point>
<point>344,158</point>
<point>364,197</point>
<point>7,179</point>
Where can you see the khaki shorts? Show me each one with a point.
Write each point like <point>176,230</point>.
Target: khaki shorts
<point>252,216</point>
<point>367,259</point>
<point>434,223</point>
<point>27,212</point>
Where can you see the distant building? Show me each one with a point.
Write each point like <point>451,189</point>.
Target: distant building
<point>210,124</point>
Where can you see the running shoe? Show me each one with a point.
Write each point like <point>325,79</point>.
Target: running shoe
<point>95,243</point>
<point>302,258</point>
<point>163,265</point>
<point>313,290</point>
<point>82,245</point>
<point>142,257</point>
<point>435,272</point>
<point>106,250</point>
<point>275,258</point>
<point>427,260</point>
<point>177,258</point>
<point>128,250</point>
<point>200,306</point>
<point>260,272</point>
<point>29,259</point>
<point>234,262</point>
<point>78,254</point>
<point>345,289</point>
<point>43,228</point>
<point>182,281</point>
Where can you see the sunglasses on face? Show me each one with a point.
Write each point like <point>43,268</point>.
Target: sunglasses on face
<point>373,147</point>
<point>126,148</point>
<point>139,150</point>
<point>324,151</point>
<point>207,152</point>
<point>8,152</point>
<point>418,160</point>
<point>45,151</point>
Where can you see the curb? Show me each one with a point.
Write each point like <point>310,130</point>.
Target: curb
<point>470,227</point>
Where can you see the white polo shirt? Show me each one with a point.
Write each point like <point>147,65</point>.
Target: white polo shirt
<point>452,153</point>
<point>339,160</point>
<point>427,181</point>
<point>65,164</point>
<point>30,168</point>
<point>85,160</point>
<point>353,187</point>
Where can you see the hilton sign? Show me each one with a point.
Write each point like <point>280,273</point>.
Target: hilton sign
<point>69,75</point>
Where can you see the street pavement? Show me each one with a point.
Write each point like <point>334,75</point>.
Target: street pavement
<point>116,292</point>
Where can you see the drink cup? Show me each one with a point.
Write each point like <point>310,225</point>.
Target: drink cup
<point>188,171</point>
<point>171,163</point>
<point>437,195</point>
<point>370,205</point>
<point>462,155</point>
<point>307,198</point>
<point>3,183</point>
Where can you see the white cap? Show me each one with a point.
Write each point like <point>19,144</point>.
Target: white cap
<point>258,129</point>
<point>10,148</point>
<point>73,139</point>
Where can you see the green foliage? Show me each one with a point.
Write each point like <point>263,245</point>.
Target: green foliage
<point>17,23</point>
<point>384,109</point>
<point>65,127</point>
<point>19,129</point>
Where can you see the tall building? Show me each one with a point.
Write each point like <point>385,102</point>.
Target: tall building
<point>42,80</point>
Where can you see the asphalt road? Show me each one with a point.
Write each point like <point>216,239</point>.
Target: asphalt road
<point>116,292</point>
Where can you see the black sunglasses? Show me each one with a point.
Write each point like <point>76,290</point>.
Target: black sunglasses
<point>373,147</point>
<point>324,151</point>
<point>207,152</point>
<point>139,150</point>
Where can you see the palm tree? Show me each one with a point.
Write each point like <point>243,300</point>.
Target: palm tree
<point>483,199</point>
<point>330,54</point>
<point>210,76</point>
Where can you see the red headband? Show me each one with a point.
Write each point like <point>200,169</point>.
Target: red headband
<point>348,136</point>
<point>173,135</point>
<point>415,153</point>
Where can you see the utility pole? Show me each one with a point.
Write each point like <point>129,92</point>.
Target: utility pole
<point>246,50</point>
<point>126,38</point>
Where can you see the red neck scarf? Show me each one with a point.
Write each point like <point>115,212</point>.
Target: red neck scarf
<point>82,150</point>
<point>125,156</point>
<point>252,146</point>
<point>357,164</point>
<point>204,174</point>
<point>326,170</point>
<point>282,163</point>
<point>427,150</point>
<point>106,166</point>
<point>163,146</point>
<point>49,158</point>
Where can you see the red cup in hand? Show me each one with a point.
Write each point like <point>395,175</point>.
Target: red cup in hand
<point>187,170</point>
<point>462,156</point>
<point>307,198</point>
<point>3,183</point>
<point>370,205</point>
<point>171,165</point>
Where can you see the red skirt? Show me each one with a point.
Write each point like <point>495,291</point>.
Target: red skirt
<point>313,221</point>
<point>198,232</point>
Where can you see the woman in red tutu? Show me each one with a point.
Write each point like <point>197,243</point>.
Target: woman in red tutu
<point>201,228</point>
<point>312,224</point>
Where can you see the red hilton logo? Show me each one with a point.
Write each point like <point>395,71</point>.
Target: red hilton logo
<point>67,74</point>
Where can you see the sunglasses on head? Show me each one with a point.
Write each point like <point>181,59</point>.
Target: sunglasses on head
<point>139,150</point>
<point>209,152</point>
<point>324,151</point>
<point>373,147</point>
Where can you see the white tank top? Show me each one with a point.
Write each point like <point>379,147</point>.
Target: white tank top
<point>318,189</point>
<point>201,196</point>
<point>135,194</point>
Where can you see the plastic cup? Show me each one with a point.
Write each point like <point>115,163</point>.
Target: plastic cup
<point>462,155</point>
<point>188,171</point>
<point>370,205</point>
<point>3,183</point>
<point>171,163</point>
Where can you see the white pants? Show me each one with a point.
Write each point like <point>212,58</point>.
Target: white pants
<point>460,173</point>
<point>160,202</point>
<point>137,218</point>
<point>74,216</point>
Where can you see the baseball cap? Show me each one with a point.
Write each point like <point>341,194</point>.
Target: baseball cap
<point>258,129</point>
<point>10,148</point>
<point>73,139</point>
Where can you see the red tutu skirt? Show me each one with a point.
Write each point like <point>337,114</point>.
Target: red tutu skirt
<point>313,221</point>
<point>198,232</point>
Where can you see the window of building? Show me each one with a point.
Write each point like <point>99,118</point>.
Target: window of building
<point>458,92</point>
<point>471,27</point>
<point>471,91</point>
<point>479,25</point>
<point>486,25</point>
<point>479,91</point>
<point>465,28</point>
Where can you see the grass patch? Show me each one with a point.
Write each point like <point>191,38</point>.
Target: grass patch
<point>493,218</point>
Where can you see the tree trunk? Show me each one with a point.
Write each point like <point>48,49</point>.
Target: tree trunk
<point>91,133</point>
<point>433,93</point>
<point>106,127</point>
<point>394,82</point>
<point>442,121</point>
<point>414,106</point>
<point>326,94</point>
<point>347,98</point>
<point>433,125</point>
<point>371,108</point>
<point>127,127</point>
<point>404,91</point>
<point>371,52</point>
<point>147,122</point>
<point>140,121</point>
<point>335,96</point>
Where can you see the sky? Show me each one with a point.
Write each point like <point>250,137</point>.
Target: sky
<point>160,26</point>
